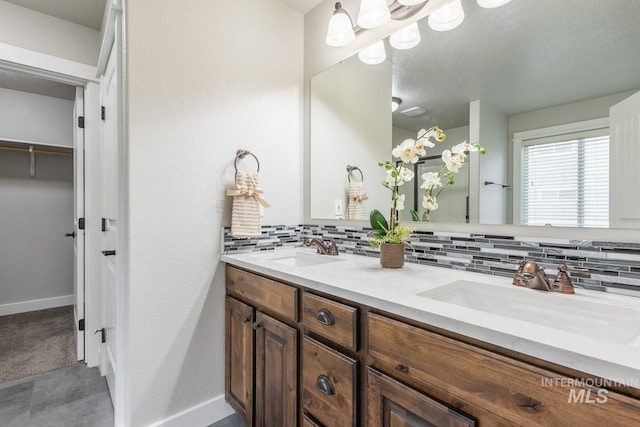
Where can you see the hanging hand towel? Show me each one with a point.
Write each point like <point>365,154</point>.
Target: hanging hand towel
<point>245,214</point>
<point>357,195</point>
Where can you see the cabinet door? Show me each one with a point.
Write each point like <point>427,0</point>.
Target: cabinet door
<point>239,352</point>
<point>276,373</point>
<point>392,404</point>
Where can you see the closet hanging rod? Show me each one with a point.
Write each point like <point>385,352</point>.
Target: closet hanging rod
<point>26,150</point>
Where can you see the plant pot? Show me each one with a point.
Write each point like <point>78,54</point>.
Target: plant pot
<point>392,255</point>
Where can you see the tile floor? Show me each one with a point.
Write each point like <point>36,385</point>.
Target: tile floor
<point>230,421</point>
<point>74,396</point>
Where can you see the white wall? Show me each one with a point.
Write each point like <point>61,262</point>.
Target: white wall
<point>36,118</point>
<point>493,165</point>
<point>204,80</point>
<point>36,31</point>
<point>351,114</point>
<point>36,259</point>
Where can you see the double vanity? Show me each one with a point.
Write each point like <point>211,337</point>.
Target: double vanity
<point>319,340</point>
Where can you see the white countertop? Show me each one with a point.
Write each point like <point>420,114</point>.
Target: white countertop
<point>361,279</point>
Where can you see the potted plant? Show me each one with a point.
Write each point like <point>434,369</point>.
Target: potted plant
<point>391,236</point>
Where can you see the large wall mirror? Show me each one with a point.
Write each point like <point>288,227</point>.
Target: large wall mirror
<point>529,71</point>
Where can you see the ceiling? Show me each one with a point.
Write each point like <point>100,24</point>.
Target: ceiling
<point>302,6</point>
<point>87,13</point>
<point>523,56</point>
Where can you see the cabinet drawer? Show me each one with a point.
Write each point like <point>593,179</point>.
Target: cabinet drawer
<point>330,319</point>
<point>266,294</point>
<point>328,384</point>
<point>391,403</point>
<point>511,390</point>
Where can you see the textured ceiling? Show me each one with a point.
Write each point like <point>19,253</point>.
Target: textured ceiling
<point>82,12</point>
<point>520,57</point>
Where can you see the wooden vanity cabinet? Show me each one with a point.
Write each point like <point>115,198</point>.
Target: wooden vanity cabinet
<point>261,367</point>
<point>297,357</point>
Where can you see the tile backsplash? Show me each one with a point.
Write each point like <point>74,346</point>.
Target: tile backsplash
<point>613,266</point>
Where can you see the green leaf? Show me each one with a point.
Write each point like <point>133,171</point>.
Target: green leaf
<point>415,216</point>
<point>378,221</point>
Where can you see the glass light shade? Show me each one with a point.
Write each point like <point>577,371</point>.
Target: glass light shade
<point>410,2</point>
<point>406,38</point>
<point>374,54</point>
<point>373,13</point>
<point>447,17</point>
<point>395,103</point>
<point>490,4</point>
<point>340,31</point>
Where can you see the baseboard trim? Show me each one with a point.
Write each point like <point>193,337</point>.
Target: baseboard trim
<point>36,304</point>
<point>200,415</point>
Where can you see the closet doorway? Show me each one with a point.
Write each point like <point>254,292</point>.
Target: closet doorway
<point>42,256</point>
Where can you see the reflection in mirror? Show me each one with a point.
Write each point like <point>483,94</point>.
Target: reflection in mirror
<point>518,68</point>
<point>350,125</point>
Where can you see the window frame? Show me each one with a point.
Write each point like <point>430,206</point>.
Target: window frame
<point>518,141</point>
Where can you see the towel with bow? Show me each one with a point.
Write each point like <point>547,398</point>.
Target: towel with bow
<point>247,198</point>
<point>355,207</point>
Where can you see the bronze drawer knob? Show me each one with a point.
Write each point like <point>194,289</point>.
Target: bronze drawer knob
<point>323,383</point>
<point>403,368</point>
<point>325,317</point>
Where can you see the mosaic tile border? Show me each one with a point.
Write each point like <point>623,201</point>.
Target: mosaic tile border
<point>613,266</point>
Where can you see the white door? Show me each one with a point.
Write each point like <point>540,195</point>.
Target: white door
<point>78,215</point>
<point>624,174</point>
<point>110,136</point>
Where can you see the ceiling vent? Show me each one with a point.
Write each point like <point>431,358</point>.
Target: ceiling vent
<point>413,111</point>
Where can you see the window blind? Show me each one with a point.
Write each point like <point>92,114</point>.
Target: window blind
<point>565,180</point>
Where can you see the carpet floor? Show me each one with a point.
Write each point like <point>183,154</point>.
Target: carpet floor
<point>36,342</point>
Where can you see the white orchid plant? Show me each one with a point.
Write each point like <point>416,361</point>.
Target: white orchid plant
<point>409,152</point>
<point>452,161</point>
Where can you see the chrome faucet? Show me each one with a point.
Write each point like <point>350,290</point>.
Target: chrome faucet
<point>324,247</point>
<point>531,275</point>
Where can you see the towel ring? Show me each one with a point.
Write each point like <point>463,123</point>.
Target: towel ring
<point>351,169</point>
<point>241,154</point>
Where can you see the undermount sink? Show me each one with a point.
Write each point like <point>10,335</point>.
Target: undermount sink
<point>569,313</point>
<point>303,259</point>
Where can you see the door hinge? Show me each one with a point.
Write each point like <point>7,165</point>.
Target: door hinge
<point>103,112</point>
<point>103,334</point>
<point>81,325</point>
<point>104,224</point>
<point>81,122</point>
<point>81,223</point>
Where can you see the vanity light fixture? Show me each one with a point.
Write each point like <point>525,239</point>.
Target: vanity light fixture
<point>374,54</point>
<point>406,38</point>
<point>446,17</point>
<point>395,103</point>
<point>373,13</point>
<point>490,4</point>
<point>340,31</point>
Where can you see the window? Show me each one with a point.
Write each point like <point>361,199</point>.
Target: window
<point>564,178</point>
